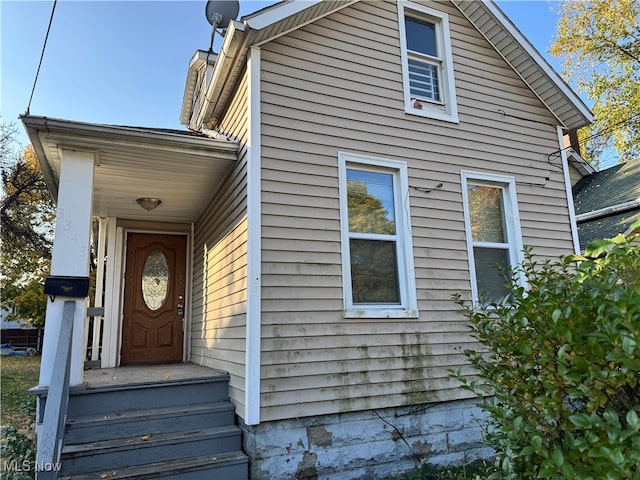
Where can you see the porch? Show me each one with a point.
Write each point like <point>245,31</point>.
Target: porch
<point>128,376</point>
<point>170,420</point>
<point>111,182</point>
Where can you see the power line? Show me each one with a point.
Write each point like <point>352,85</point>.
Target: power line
<point>41,56</point>
<point>605,132</point>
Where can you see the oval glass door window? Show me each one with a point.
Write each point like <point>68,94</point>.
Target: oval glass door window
<point>155,280</point>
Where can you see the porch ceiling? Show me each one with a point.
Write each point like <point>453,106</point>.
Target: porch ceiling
<point>183,169</point>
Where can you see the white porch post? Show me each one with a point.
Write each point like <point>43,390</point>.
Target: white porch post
<point>112,295</point>
<point>70,257</point>
<point>100,255</point>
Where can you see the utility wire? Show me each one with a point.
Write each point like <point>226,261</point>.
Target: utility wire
<point>41,56</point>
<point>502,112</point>
<point>601,133</point>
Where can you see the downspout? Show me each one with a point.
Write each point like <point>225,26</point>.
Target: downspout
<point>569,191</point>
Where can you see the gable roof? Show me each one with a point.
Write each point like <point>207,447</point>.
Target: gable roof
<point>286,16</point>
<point>607,202</point>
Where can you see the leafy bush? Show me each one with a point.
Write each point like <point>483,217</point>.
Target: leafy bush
<point>561,363</point>
<point>18,454</point>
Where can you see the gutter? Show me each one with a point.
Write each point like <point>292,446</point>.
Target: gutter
<point>201,60</point>
<point>31,125</point>
<point>235,41</point>
<point>91,135</point>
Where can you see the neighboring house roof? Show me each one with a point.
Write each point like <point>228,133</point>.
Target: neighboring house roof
<point>607,202</point>
<point>281,18</point>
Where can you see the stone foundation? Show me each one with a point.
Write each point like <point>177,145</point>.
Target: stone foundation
<point>365,445</point>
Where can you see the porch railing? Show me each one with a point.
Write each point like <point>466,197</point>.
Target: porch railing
<point>93,333</point>
<point>51,436</point>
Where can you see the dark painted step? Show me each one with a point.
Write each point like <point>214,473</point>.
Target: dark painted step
<point>94,428</point>
<point>101,400</point>
<point>225,466</point>
<point>121,453</point>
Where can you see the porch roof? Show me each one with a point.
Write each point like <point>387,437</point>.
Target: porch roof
<point>184,169</point>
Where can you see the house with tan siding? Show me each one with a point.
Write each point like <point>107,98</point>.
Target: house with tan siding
<point>349,167</point>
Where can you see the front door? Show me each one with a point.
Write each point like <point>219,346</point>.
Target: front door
<point>154,290</point>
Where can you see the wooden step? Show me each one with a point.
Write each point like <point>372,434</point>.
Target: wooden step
<point>142,396</point>
<point>95,428</point>
<point>224,466</point>
<point>140,450</point>
<point>173,423</point>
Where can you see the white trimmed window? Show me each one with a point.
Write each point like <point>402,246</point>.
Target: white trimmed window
<point>494,239</point>
<point>427,64</point>
<point>377,252</point>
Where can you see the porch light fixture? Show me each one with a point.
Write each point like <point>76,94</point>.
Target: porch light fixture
<point>148,203</point>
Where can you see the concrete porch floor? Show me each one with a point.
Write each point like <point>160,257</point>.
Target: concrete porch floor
<point>141,374</point>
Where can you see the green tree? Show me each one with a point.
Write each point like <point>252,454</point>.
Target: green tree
<point>600,43</point>
<point>26,217</point>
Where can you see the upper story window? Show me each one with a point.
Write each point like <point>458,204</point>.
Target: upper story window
<point>377,252</point>
<point>494,240</point>
<point>427,65</point>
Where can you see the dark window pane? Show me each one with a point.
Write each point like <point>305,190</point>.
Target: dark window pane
<point>492,264</point>
<point>421,36</point>
<point>374,271</point>
<point>370,202</point>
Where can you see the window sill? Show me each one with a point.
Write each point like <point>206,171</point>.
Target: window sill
<point>380,313</point>
<point>434,113</point>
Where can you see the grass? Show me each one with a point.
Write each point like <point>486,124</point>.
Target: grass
<point>17,413</point>
<point>17,375</point>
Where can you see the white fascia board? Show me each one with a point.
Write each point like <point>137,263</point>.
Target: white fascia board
<point>198,61</point>
<point>278,12</point>
<point>230,45</point>
<point>579,163</point>
<point>67,131</point>
<point>47,169</point>
<point>569,192</point>
<point>539,59</point>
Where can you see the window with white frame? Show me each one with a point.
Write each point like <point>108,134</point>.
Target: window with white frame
<point>427,64</point>
<point>377,252</point>
<point>493,233</point>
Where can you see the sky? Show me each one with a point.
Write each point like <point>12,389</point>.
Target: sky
<point>125,62</point>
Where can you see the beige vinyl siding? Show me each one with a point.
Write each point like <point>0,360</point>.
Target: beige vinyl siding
<point>218,330</point>
<point>574,175</point>
<point>336,85</point>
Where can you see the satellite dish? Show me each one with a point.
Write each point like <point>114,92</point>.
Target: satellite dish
<point>220,12</point>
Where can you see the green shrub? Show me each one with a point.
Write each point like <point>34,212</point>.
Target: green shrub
<point>559,368</point>
<point>17,452</point>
